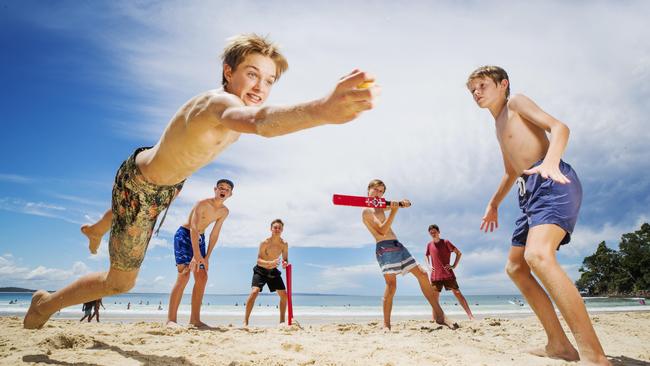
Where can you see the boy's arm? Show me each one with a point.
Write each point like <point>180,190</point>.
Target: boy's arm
<point>457,259</point>
<point>343,104</point>
<point>490,220</point>
<point>214,234</point>
<point>381,227</point>
<point>550,167</point>
<point>285,255</point>
<point>197,258</point>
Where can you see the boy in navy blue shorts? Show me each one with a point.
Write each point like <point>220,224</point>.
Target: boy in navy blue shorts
<point>190,252</point>
<point>549,197</point>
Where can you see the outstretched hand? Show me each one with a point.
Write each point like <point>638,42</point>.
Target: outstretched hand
<point>350,98</point>
<point>548,171</point>
<point>490,220</point>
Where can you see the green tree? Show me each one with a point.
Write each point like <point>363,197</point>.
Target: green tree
<point>634,251</point>
<point>599,271</point>
<point>622,272</point>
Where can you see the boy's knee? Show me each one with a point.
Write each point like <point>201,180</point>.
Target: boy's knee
<point>120,287</point>
<point>515,269</point>
<point>536,258</point>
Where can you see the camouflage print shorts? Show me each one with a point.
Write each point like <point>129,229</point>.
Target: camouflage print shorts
<point>136,206</point>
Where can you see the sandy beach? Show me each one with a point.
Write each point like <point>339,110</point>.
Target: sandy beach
<point>489,341</point>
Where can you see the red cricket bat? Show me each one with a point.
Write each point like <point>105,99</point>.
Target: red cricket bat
<point>360,201</point>
<point>289,304</point>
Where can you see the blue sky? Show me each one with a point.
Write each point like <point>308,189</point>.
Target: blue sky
<point>83,84</point>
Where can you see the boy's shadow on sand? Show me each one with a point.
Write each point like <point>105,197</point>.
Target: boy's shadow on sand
<point>626,361</point>
<point>141,357</point>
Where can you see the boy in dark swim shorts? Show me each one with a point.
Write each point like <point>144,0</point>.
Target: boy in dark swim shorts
<point>266,272</point>
<point>544,201</point>
<point>550,195</point>
<point>190,252</point>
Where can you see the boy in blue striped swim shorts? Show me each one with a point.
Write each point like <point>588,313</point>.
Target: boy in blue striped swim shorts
<point>393,257</point>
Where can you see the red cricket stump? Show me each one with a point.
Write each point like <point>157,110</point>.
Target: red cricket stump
<point>289,304</point>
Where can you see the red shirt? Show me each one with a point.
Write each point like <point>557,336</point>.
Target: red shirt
<point>440,253</point>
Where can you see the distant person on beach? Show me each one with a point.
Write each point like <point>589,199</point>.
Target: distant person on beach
<point>96,306</point>
<point>393,257</point>
<point>128,306</point>
<point>87,308</point>
<point>266,272</point>
<point>550,195</point>
<point>191,254</point>
<point>148,180</point>
<point>437,257</point>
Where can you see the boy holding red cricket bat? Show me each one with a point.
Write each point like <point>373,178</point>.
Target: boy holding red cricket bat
<point>392,256</point>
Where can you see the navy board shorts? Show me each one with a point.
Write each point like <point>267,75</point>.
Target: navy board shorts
<point>394,258</point>
<point>544,201</point>
<point>183,246</point>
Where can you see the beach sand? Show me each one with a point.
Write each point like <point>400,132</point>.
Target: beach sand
<point>489,341</point>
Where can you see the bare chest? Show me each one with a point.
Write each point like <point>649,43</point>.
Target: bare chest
<point>521,142</point>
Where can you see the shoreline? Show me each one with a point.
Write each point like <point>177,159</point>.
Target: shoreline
<point>271,320</point>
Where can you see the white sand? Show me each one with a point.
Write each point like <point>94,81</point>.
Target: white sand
<point>489,341</point>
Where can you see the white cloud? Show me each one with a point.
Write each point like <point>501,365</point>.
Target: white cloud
<point>15,178</point>
<point>38,209</point>
<point>343,278</point>
<point>12,274</point>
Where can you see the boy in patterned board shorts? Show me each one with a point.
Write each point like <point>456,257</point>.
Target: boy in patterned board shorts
<point>202,128</point>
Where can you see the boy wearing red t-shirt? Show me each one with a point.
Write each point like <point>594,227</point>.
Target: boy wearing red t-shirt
<point>438,256</point>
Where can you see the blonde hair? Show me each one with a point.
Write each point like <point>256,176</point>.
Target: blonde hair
<point>242,45</point>
<point>495,73</point>
<point>376,183</point>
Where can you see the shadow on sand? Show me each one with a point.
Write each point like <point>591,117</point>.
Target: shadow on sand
<point>626,361</point>
<point>144,359</point>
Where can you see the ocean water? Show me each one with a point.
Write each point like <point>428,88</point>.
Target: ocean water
<point>334,306</point>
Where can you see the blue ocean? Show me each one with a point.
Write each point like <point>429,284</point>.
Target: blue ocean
<point>146,305</point>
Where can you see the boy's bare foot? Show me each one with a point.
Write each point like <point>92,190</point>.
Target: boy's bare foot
<point>199,325</point>
<point>34,319</point>
<point>567,354</point>
<point>448,323</point>
<point>93,239</point>
<point>602,362</point>
<point>172,324</point>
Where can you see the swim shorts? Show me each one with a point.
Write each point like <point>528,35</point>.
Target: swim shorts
<point>270,277</point>
<point>183,246</point>
<point>450,284</point>
<point>394,258</point>
<point>544,201</point>
<point>136,205</point>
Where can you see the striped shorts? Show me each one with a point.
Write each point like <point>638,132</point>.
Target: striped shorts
<point>394,258</point>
